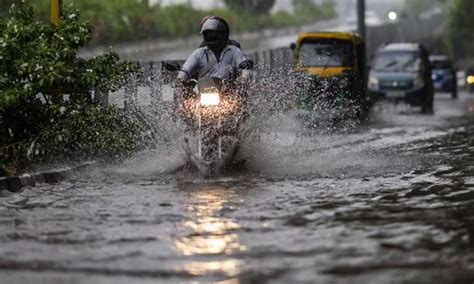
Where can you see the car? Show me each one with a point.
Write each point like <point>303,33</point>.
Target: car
<point>444,75</point>
<point>402,72</point>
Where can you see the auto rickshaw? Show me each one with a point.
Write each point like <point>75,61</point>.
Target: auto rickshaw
<point>330,71</point>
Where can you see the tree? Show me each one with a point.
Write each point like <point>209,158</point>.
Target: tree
<point>461,21</point>
<point>413,8</point>
<point>38,64</point>
<point>309,10</point>
<point>253,6</point>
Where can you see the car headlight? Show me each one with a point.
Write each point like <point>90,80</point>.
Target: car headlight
<point>470,79</point>
<point>373,82</point>
<point>418,82</point>
<point>210,99</point>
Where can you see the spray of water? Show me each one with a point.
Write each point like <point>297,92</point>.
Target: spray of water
<point>276,137</point>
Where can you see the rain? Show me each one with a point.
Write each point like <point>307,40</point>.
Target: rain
<point>331,176</point>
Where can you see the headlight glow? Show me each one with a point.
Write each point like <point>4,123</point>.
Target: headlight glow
<point>470,79</point>
<point>210,99</point>
<point>373,82</point>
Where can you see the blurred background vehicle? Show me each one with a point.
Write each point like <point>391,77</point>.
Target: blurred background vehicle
<point>470,80</point>
<point>402,72</point>
<point>444,75</point>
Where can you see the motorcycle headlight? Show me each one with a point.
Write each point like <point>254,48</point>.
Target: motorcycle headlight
<point>210,99</point>
<point>418,82</point>
<point>373,82</point>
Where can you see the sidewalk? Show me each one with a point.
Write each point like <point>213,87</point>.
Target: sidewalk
<point>16,183</point>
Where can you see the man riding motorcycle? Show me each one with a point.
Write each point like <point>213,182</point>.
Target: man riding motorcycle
<point>219,59</point>
<point>219,71</point>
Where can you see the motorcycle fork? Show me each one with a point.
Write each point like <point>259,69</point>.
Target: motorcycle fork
<point>199,133</point>
<point>219,139</point>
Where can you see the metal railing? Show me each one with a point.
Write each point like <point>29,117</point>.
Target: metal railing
<point>153,85</point>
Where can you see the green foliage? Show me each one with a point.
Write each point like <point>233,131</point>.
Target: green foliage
<point>39,64</point>
<point>87,130</point>
<point>307,9</point>
<point>459,40</point>
<point>461,23</point>
<point>6,4</point>
<point>415,7</point>
<point>252,6</point>
<point>246,21</point>
<point>131,20</point>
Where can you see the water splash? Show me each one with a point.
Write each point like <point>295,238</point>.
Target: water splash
<point>278,138</point>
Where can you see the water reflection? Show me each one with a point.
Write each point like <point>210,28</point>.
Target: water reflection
<point>230,267</point>
<point>208,232</point>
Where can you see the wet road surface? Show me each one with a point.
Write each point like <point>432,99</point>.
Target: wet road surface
<point>389,202</point>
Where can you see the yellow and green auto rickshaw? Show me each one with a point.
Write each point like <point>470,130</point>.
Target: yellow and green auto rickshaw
<point>330,70</point>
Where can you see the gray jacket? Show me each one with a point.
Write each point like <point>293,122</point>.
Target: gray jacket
<point>204,62</point>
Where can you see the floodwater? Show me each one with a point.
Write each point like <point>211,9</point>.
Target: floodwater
<point>391,201</point>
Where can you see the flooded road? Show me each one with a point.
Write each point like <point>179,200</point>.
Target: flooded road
<point>389,202</point>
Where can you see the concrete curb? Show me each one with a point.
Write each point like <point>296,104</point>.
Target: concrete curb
<point>16,183</point>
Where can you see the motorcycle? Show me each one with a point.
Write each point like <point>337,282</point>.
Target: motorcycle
<point>212,108</point>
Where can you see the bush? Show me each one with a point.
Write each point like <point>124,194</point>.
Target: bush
<point>131,20</point>
<point>38,65</point>
<point>83,130</point>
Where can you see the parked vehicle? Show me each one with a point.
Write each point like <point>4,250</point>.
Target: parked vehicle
<point>402,72</point>
<point>330,70</point>
<point>444,75</point>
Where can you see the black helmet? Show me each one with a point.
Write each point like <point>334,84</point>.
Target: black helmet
<point>215,31</point>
